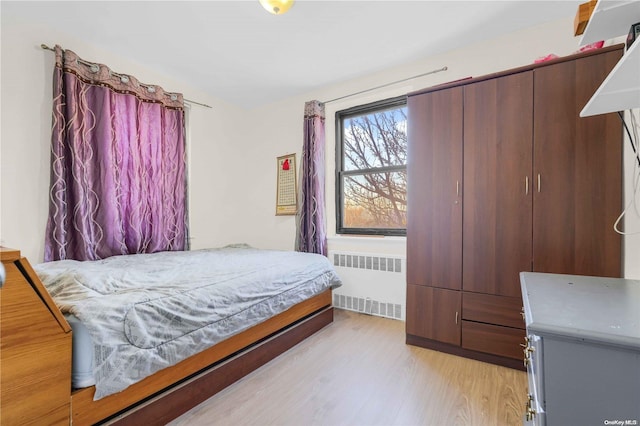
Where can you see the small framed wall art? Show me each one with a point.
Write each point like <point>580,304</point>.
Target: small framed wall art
<point>287,193</point>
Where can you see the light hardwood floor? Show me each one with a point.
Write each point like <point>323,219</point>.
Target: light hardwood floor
<point>359,371</point>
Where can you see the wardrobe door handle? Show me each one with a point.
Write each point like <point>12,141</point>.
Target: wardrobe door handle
<point>526,185</point>
<point>538,182</point>
<point>457,188</point>
<point>457,314</point>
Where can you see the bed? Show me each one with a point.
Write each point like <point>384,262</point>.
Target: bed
<point>264,302</point>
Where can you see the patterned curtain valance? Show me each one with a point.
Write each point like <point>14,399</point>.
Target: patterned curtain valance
<point>314,109</point>
<point>99,74</point>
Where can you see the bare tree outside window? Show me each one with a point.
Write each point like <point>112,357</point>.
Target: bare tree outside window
<point>372,178</point>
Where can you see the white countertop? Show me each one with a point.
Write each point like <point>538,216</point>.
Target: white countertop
<point>605,310</point>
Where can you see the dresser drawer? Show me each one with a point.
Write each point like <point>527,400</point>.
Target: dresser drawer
<point>493,339</point>
<point>490,309</point>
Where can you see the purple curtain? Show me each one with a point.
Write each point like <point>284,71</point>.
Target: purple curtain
<point>118,165</point>
<point>311,232</point>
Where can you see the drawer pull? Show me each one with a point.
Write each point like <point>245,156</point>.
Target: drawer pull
<point>530,412</point>
<point>527,349</point>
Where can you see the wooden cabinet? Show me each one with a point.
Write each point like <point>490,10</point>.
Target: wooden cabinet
<point>434,167</point>
<point>35,350</point>
<point>498,157</point>
<point>435,313</point>
<point>434,235</point>
<point>503,177</point>
<point>578,171</point>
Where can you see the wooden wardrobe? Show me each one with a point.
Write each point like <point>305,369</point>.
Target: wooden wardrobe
<point>503,177</point>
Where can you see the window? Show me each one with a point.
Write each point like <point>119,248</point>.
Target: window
<point>371,169</point>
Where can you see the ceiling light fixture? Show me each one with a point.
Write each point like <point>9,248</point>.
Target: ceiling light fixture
<point>277,7</point>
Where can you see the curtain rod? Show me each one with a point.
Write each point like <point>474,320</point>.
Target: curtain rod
<point>45,47</point>
<point>388,84</point>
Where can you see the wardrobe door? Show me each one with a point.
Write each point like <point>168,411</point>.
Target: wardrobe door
<point>434,168</point>
<point>498,127</point>
<point>434,313</point>
<point>577,171</point>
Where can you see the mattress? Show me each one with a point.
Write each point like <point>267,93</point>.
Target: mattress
<point>82,354</point>
<point>147,312</point>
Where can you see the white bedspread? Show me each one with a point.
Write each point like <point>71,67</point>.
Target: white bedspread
<point>146,312</point>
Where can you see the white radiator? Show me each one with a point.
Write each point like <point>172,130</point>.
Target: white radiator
<point>371,283</point>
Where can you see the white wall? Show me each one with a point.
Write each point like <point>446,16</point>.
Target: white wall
<point>270,132</point>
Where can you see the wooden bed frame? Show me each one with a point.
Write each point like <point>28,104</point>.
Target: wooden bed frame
<point>36,360</point>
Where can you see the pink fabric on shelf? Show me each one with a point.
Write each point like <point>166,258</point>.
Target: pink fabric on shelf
<point>586,48</point>
<point>545,58</point>
<point>592,46</point>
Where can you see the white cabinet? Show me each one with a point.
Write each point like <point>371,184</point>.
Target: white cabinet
<point>583,349</point>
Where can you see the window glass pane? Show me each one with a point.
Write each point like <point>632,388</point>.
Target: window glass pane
<point>376,139</point>
<point>375,200</point>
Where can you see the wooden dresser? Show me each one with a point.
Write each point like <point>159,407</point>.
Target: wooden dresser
<point>35,351</point>
<point>503,177</point>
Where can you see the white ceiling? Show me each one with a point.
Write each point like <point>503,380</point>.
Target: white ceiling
<point>236,51</point>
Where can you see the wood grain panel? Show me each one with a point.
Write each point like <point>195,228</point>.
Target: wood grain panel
<point>463,82</point>
<point>434,313</point>
<point>9,254</point>
<point>517,125</point>
<point>498,127</point>
<point>37,286</point>
<point>86,411</point>
<point>493,339</point>
<point>492,309</point>
<point>434,167</point>
<point>35,354</point>
<point>580,168</point>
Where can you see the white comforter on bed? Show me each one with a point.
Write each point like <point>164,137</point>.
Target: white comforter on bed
<point>146,312</point>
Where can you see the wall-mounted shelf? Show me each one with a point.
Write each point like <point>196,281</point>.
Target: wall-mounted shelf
<point>610,19</point>
<point>621,89</point>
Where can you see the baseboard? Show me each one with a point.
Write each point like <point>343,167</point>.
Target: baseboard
<point>516,364</point>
